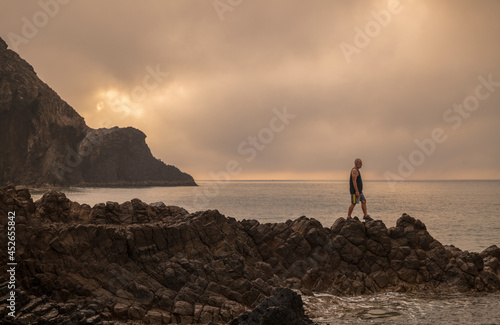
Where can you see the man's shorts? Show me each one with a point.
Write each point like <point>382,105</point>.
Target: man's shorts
<point>355,200</point>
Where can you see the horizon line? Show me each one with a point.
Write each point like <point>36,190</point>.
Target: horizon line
<point>345,180</point>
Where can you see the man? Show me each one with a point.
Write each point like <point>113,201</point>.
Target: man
<point>356,189</point>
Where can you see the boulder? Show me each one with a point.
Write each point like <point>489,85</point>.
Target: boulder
<point>283,307</point>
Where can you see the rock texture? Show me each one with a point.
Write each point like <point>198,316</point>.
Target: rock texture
<point>160,264</point>
<point>46,142</point>
<point>284,307</point>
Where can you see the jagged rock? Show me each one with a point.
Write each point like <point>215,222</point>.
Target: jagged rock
<point>46,142</point>
<point>283,307</point>
<point>491,257</point>
<point>155,263</point>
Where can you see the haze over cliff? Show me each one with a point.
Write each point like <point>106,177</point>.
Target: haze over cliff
<point>46,142</point>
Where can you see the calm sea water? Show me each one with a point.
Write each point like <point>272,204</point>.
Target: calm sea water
<point>461,213</point>
<point>405,308</point>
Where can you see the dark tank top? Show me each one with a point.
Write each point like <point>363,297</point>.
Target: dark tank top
<point>358,181</point>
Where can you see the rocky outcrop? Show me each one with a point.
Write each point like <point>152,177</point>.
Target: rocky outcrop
<point>46,142</point>
<point>284,307</point>
<point>155,263</point>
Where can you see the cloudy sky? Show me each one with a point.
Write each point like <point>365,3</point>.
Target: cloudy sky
<point>280,89</point>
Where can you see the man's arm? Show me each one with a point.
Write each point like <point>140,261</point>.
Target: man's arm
<point>355,175</point>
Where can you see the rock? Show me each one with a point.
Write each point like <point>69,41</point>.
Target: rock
<point>121,310</point>
<point>49,143</point>
<point>136,312</point>
<point>381,279</point>
<point>492,251</point>
<point>3,45</point>
<point>157,317</point>
<point>153,263</point>
<point>183,308</point>
<point>283,307</point>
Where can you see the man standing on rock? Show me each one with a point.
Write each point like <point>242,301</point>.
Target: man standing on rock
<point>356,189</point>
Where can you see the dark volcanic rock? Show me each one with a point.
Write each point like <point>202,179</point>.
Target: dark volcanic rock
<point>283,307</point>
<point>46,142</point>
<point>160,264</point>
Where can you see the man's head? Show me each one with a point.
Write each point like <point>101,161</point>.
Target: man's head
<point>358,163</point>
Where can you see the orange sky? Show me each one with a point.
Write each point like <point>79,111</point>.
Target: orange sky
<point>280,89</point>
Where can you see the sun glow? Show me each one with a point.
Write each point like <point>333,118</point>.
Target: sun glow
<point>119,103</point>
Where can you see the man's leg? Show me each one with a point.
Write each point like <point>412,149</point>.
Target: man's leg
<point>363,203</point>
<point>351,207</point>
<point>363,207</point>
<point>353,204</point>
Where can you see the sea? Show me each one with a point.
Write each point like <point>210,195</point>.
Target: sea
<point>463,213</point>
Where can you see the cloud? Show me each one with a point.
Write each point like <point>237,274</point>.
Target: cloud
<point>225,77</point>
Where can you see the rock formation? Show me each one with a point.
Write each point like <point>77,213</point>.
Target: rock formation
<point>46,142</point>
<point>155,263</point>
<point>284,307</point>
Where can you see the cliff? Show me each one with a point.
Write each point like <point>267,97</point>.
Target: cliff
<point>155,263</point>
<point>46,142</point>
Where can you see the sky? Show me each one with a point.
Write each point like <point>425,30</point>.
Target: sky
<point>254,89</point>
